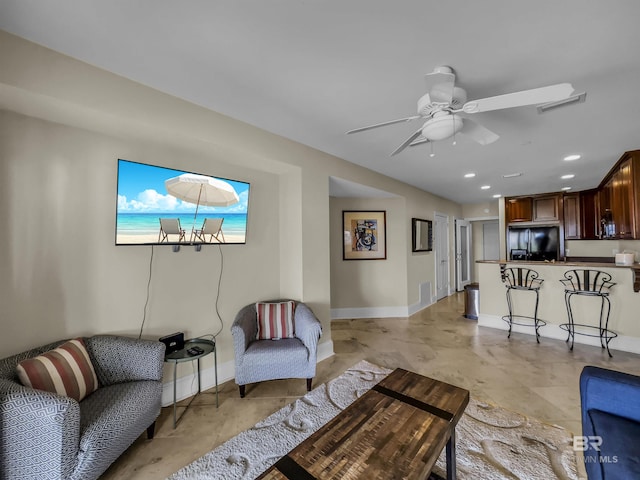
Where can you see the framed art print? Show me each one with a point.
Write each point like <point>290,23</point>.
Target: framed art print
<point>364,235</point>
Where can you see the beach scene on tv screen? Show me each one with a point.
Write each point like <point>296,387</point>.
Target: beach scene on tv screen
<point>159,205</point>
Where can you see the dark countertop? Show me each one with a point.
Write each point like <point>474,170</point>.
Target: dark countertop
<point>562,263</point>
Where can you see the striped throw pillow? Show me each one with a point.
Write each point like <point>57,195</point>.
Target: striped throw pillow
<point>275,320</point>
<point>66,370</point>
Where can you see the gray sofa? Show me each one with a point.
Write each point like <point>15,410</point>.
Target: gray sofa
<point>48,436</point>
<point>260,360</point>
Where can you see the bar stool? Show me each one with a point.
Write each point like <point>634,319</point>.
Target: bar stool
<point>591,283</point>
<point>524,279</point>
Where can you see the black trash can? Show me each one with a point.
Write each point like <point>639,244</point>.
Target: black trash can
<point>472,300</point>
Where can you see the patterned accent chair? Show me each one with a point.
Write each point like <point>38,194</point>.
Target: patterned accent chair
<point>260,360</point>
<point>47,436</point>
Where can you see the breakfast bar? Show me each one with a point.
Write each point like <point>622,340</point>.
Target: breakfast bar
<point>624,300</point>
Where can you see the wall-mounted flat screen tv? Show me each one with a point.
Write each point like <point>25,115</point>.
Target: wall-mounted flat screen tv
<point>163,206</point>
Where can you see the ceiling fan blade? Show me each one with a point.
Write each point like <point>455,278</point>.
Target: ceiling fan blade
<point>440,86</point>
<point>477,132</point>
<point>407,142</point>
<point>391,122</point>
<point>419,141</point>
<point>552,93</point>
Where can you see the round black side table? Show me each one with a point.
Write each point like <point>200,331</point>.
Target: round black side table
<point>183,355</point>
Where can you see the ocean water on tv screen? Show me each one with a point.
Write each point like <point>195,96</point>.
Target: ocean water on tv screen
<point>146,224</point>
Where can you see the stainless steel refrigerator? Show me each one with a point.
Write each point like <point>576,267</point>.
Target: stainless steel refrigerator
<point>534,243</point>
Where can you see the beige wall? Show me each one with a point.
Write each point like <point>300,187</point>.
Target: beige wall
<point>480,210</point>
<point>601,248</point>
<point>63,274</point>
<point>355,283</point>
<point>394,282</point>
<point>477,213</point>
<point>65,277</point>
<point>64,124</point>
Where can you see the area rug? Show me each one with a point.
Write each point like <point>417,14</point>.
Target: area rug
<point>492,443</point>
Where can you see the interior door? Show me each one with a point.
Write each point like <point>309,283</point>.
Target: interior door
<point>441,234</point>
<point>463,254</point>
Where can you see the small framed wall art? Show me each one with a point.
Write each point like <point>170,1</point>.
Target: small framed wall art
<point>364,235</point>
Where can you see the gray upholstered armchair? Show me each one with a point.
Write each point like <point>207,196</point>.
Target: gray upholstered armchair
<point>49,436</point>
<point>260,360</point>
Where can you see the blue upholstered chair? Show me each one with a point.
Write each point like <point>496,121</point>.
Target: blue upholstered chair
<point>260,360</point>
<point>610,403</point>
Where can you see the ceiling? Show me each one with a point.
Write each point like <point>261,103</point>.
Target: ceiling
<point>311,70</point>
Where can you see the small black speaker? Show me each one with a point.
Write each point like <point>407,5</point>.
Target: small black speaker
<point>174,342</point>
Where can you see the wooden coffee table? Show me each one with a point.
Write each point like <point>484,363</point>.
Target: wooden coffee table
<point>395,430</point>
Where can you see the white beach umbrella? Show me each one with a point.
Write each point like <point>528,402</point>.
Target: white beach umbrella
<point>201,190</point>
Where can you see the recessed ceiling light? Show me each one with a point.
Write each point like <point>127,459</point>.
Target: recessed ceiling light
<point>485,187</point>
<point>469,175</point>
<point>512,175</point>
<point>565,188</point>
<point>567,177</point>
<point>570,158</point>
<point>497,195</point>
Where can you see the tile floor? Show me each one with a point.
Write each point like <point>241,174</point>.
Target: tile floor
<point>539,380</point>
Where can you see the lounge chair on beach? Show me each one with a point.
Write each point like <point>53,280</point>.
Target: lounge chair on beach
<point>170,226</point>
<point>211,227</point>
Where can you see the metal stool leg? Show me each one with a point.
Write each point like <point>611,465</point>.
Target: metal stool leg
<point>509,305</point>
<point>535,317</point>
<point>571,327</point>
<point>605,332</point>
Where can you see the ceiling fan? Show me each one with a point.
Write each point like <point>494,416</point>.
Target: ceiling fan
<point>444,101</point>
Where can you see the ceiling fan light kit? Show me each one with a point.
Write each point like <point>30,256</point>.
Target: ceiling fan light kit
<point>441,126</point>
<point>444,100</point>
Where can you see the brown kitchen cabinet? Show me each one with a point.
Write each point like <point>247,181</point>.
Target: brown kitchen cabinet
<point>518,209</point>
<point>581,215</point>
<point>619,209</point>
<point>546,208</point>
<point>572,219</point>
<point>610,211</point>
<point>589,218</point>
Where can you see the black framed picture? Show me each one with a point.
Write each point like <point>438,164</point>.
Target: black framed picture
<point>421,235</point>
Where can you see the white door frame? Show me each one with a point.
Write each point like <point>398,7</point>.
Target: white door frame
<point>441,257</point>
<point>463,253</point>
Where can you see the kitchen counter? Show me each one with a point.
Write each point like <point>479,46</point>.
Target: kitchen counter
<point>562,263</point>
<point>635,268</point>
<point>625,304</point>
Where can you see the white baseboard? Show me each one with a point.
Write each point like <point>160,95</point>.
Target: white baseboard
<point>187,385</point>
<point>369,312</point>
<point>622,343</point>
<point>424,296</point>
<point>325,350</point>
<point>376,312</point>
